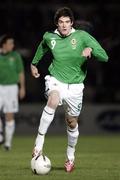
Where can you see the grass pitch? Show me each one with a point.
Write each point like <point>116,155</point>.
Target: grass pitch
<point>97,158</point>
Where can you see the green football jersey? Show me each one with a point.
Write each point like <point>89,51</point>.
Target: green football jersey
<point>68,62</point>
<point>10,67</point>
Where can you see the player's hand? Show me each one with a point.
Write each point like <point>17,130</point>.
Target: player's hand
<point>34,71</point>
<point>22,92</point>
<point>87,52</point>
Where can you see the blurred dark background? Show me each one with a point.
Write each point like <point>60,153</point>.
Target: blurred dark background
<point>28,20</point>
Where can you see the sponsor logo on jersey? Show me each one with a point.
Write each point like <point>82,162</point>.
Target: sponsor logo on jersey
<point>73,43</point>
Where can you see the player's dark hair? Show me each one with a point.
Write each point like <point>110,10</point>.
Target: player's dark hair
<point>4,38</point>
<point>64,11</point>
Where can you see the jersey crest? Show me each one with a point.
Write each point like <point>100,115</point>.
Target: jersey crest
<point>11,59</point>
<point>73,43</point>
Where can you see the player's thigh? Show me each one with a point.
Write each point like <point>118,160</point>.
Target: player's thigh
<point>11,99</point>
<point>53,99</point>
<point>73,107</point>
<point>73,103</point>
<point>1,102</point>
<point>53,89</point>
<point>1,97</point>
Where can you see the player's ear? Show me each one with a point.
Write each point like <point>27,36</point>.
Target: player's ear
<point>71,23</point>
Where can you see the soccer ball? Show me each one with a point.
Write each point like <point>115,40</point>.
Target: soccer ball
<point>40,165</point>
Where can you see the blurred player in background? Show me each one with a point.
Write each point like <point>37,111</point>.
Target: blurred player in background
<point>11,74</point>
<point>84,25</point>
<point>71,49</point>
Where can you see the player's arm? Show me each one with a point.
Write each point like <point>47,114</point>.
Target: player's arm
<point>93,47</point>
<point>34,71</point>
<point>41,50</point>
<point>22,84</point>
<point>21,75</point>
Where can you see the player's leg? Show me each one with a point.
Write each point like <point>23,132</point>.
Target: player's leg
<point>1,132</point>
<point>73,108</point>
<point>10,107</point>
<point>9,130</point>
<point>1,124</point>
<point>45,120</point>
<point>73,133</point>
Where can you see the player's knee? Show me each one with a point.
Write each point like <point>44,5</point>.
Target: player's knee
<point>53,100</point>
<point>72,125</point>
<point>72,122</point>
<point>9,116</point>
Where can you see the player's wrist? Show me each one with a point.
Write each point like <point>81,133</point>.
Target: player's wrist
<point>33,64</point>
<point>90,49</point>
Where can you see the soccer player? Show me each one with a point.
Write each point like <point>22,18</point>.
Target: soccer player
<point>11,74</point>
<point>71,49</point>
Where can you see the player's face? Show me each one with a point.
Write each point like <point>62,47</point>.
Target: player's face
<point>9,45</point>
<point>64,25</point>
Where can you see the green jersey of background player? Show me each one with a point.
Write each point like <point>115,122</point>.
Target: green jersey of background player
<point>70,49</point>
<point>10,67</point>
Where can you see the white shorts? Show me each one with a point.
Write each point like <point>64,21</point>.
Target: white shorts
<point>9,98</point>
<point>71,95</point>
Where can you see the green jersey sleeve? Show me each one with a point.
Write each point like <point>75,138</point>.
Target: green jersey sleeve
<point>41,50</point>
<point>97,50</point>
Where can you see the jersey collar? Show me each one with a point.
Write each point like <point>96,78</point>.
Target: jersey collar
<point>57,32</point>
